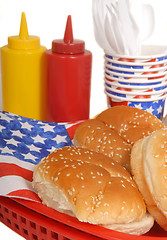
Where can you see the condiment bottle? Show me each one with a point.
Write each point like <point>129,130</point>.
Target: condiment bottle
<point>23,74</point>
<point>68,78</point>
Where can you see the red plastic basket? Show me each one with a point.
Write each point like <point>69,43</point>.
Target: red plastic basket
<point>31,221</point>
<point>34,226</point>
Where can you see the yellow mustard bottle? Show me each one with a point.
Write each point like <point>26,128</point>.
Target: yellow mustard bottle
<point>23,74</point>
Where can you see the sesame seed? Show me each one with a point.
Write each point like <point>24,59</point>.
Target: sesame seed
<point>70,192</point>
<point>106,213</point>
<point>106,204</point>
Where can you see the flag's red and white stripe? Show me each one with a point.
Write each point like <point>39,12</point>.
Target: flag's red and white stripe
<point>16,177</point>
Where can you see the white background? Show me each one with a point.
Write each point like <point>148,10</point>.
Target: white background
<point>47,19</point>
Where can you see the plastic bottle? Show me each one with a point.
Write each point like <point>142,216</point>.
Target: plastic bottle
<point>68,78</point>
<point>24,75</point>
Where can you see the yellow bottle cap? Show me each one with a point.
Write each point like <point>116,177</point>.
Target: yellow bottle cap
<point>23,40</point>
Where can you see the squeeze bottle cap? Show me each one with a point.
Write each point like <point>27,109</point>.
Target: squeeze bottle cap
<point>23,40</point>
<point>68,45</point>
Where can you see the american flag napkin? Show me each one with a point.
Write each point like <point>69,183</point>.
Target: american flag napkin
<point>23,143</point>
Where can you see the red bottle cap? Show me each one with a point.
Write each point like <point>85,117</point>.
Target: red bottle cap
<point>68,45</point>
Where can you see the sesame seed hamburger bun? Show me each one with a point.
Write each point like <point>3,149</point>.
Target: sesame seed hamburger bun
<point>149,168</point>
<point>114,131</point>
<point>93,188</point>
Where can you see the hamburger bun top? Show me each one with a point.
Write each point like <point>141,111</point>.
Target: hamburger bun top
<point>114,131</point>
<point>97,189</point>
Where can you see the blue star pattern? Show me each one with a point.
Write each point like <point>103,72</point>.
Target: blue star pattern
<point>30,140</point>
<point>155,107</point>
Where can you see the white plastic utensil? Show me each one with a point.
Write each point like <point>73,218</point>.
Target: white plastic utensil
<point>110,35</point>
<point>148,21</point>
<point>121,26</point>
<point>115,27</point>
<point>99,30</point>
<point>128,26</point>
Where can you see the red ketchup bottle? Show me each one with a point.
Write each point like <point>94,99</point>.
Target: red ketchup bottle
<point>68,78</point>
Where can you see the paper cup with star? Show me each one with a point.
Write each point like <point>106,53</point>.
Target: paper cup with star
<point>151,105</point>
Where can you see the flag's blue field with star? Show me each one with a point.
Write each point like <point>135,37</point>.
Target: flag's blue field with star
<point>30,140</point>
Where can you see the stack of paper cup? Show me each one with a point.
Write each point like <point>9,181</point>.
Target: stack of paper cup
<point>137,81</point>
